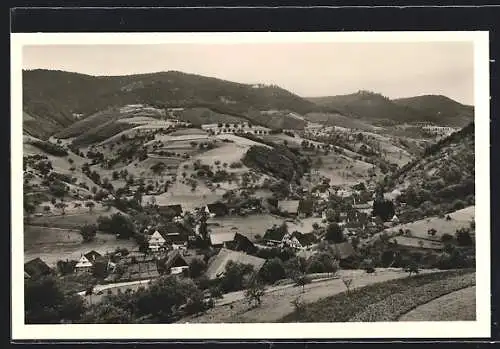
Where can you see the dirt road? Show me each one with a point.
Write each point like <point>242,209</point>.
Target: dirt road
<point>276,303</point>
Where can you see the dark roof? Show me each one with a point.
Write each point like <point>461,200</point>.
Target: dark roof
<point>37,267</point>
<point>174,232</point>
<point>242,243</point>
<point>305,239</point>
<point>219,208</point>
<point>92,256</point>
<point>175,258</point>
<point>171,209</point>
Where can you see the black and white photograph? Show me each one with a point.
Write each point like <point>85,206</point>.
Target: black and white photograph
<point>322,180</point>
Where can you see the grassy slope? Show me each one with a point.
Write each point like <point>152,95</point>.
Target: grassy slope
<point>456,306</point>
<point>345,306</point>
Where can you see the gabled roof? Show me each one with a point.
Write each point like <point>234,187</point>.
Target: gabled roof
<point>218,264</point>
<point>304,239</point>
<point>156,236</point>
<point>174,257</point>
<point>83,262</point>
<point>36,267</point>
<point>289,206</point>
<point>92,255</point>
<point>220,238</point>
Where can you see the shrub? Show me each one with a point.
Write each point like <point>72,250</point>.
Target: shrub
<point>50,148</point>
<point>88,232</point>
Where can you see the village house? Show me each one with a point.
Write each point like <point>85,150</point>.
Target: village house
<point>36,268</point>
<point>156,241</point>
<point>86,262</point>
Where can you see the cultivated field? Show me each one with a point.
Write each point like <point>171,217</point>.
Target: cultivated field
<point>53,244</point>
<point>459,219</point>
<point>249,226</point>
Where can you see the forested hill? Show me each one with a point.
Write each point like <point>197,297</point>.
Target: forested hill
<point>372,106</point>
<point>59,98</point>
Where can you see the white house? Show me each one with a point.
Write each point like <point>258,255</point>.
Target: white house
<point>290,241</point>
<point>83,265</point>
<point>395,219</point>
<point>156,241</point>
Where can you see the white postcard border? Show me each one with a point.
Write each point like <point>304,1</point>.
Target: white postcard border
<point>456,329</point>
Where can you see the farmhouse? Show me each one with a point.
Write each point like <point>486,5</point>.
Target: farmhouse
<point>156,241</point>
<point>217,265</point>
<point>241,243</point>
<point>36,267</point>
<point>290,241</point>
<point>86,262</point>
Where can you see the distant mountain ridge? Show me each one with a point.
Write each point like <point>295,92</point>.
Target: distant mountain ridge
<point>59,96</point>
<point>368,105</point>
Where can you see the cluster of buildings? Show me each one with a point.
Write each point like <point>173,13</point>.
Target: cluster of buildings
<point>232,128</point>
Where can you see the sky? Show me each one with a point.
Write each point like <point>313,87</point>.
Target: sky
<point>308,69</point>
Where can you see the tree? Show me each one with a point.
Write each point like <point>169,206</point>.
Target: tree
<point>90,205</point>
<point>334,233</point>
<point>446,238</point>
<point>383,209</point>
<point>29,207</point>
<point>273,270</point>
<point>99,269</point>
<point>347,283</point>
<point>197,267</point>
<point>234,276</point>
<point>88,232</point>
<point>302,280</point>
<point>463,237</point>
<point>105,313</point>
<point>412,268</point>
<point>46,303</point>
<point>299,307</point>
<point>62,206</point>
<point>255,291</point>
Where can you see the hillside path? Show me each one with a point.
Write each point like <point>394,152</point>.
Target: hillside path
<point>276,303</point>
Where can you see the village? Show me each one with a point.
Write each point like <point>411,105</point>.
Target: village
<point>333,218</point>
